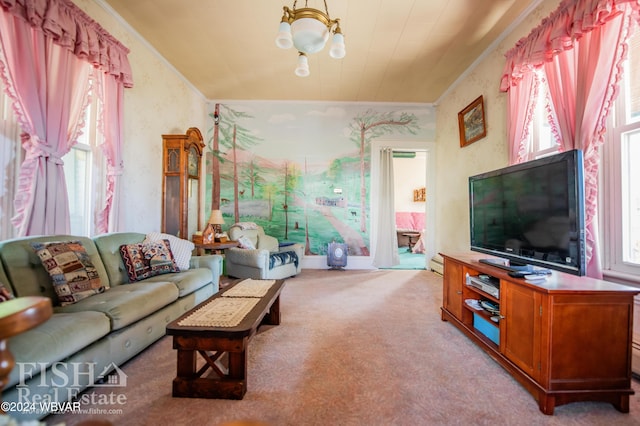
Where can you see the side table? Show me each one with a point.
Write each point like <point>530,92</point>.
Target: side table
<point>17,316</point>
<point>216,248</point>
<point>413,237</point>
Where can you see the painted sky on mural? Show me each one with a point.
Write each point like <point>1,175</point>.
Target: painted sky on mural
<point>318,131</point>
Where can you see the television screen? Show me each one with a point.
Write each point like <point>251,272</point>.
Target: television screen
<point>532,213</point>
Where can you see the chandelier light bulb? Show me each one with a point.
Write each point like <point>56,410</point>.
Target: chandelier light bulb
<point>302,70</point>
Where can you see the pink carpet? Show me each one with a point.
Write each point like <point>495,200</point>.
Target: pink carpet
<point>353,348</point>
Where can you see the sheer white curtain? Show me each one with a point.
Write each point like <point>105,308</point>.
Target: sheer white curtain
<point>11,156</point>
<point>386,254</point>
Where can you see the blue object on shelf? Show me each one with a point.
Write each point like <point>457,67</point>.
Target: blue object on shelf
<point>486,328</point>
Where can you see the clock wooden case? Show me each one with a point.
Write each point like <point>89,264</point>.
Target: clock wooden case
<point>181,181</point>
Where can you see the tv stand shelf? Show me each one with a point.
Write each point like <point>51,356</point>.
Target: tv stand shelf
<point>545,330</point>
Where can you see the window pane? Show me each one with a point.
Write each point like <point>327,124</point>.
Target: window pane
<point>631,198</point>
<point>633,86</point>
<point>76,166</point>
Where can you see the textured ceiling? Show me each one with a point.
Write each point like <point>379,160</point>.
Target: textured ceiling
<point>397,50</point>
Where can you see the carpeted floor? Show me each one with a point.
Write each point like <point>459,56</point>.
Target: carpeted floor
<point>409,260</point>
<point>353,348</point>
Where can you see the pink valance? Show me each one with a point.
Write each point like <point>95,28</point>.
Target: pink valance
<point>71,28</point>
<point>558,32</point>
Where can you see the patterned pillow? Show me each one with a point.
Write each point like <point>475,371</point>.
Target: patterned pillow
<point>144,260</point>
<point>181,249</point>
<point>73,274</point>
<point>5,294</point>
<point>246,243</point>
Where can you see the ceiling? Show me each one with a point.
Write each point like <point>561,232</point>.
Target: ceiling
<point>397,50</point>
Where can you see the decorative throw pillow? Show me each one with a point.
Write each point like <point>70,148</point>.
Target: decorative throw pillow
<point>73,274</point>
<point>144,260</point>
<point>181,249</point>
<point>245,243</point>
<point>5,294</point>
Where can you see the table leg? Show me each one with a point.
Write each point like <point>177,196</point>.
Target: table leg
<point>273,317</point>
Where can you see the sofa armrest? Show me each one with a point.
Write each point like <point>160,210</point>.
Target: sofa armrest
<point>257,258</point>
<point>211,261</point>
<point>297,248</point>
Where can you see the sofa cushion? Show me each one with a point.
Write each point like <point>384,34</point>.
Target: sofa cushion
<point>181,249</point>
<point>186,281</point>
<point>148,259</point>
<point>125,304</point>
<point>73,275</point>
<point>56,339</point>
<point>27,276</point>
<point>108,246</point>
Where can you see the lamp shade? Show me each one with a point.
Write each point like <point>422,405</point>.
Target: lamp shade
<point>337,50</point>
<point>216,218</point>
<point>309,35</point>
<point>283,39</point>
<point>302,70</point>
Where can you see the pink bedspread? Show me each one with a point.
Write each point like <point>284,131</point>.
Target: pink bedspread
<point>410,221</point>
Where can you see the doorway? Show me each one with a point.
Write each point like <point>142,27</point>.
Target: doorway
<point>414,173</point>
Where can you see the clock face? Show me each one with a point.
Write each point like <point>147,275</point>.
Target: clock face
<point>338,252</point>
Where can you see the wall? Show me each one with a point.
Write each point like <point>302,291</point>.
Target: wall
<point>456,164</point>
<point>302,170</point>
<point>409,175</point>
<point>161,102</point>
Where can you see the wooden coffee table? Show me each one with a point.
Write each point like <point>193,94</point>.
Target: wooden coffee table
<point>217,344</point>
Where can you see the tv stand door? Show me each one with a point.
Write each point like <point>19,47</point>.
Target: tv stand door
<point>520,327</point>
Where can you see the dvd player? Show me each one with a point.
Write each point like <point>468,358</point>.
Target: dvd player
<point>490,286</point>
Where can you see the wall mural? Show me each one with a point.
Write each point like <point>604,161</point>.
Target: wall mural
<point>302,170</point>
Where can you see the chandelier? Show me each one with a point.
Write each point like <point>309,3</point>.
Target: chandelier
<point>308,30</point>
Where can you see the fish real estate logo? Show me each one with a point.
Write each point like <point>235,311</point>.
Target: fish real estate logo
<point>55,388</point>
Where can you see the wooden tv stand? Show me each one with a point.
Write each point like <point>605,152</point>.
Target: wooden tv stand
<point>565,340</point>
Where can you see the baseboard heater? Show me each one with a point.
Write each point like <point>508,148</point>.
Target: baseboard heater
<point>435,264</point>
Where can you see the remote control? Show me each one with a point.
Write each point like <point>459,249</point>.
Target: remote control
<point>519,274</point>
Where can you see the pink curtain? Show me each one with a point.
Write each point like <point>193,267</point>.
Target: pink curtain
<point>49,87</point>
<point>47,51</point>
<point>111,126</point>
<point>522,101</point>
<point>579,48</point>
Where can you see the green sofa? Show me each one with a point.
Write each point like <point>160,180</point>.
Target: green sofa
<point>84,340</point>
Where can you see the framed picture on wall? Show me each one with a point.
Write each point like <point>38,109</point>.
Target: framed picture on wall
<point>471,122</point>
<point>420,194</point>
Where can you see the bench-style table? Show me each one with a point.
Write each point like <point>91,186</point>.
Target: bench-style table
<point>222,324</point>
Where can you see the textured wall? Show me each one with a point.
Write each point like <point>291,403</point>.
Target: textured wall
<point>161,102</point>
<point>456,164</point>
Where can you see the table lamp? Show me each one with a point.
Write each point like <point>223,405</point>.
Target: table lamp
<point>213,226</point>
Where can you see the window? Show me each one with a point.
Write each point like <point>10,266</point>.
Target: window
<point>621,155</point>
<point>84,168</point>
<point>541,140</point>
<point>619,204</point>
<point>11,155</point>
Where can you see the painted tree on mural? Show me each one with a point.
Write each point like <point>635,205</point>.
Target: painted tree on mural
<point>235,137</point>
<point>291,182</point>
<point>252,176</point>
<point>370,125</point>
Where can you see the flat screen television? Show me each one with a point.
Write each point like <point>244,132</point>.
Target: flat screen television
<point>531,215</point>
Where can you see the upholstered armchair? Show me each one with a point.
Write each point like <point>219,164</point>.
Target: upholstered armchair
<point>260,256</point>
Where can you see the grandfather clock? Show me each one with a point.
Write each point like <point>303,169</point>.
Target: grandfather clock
<point>181,170</point>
